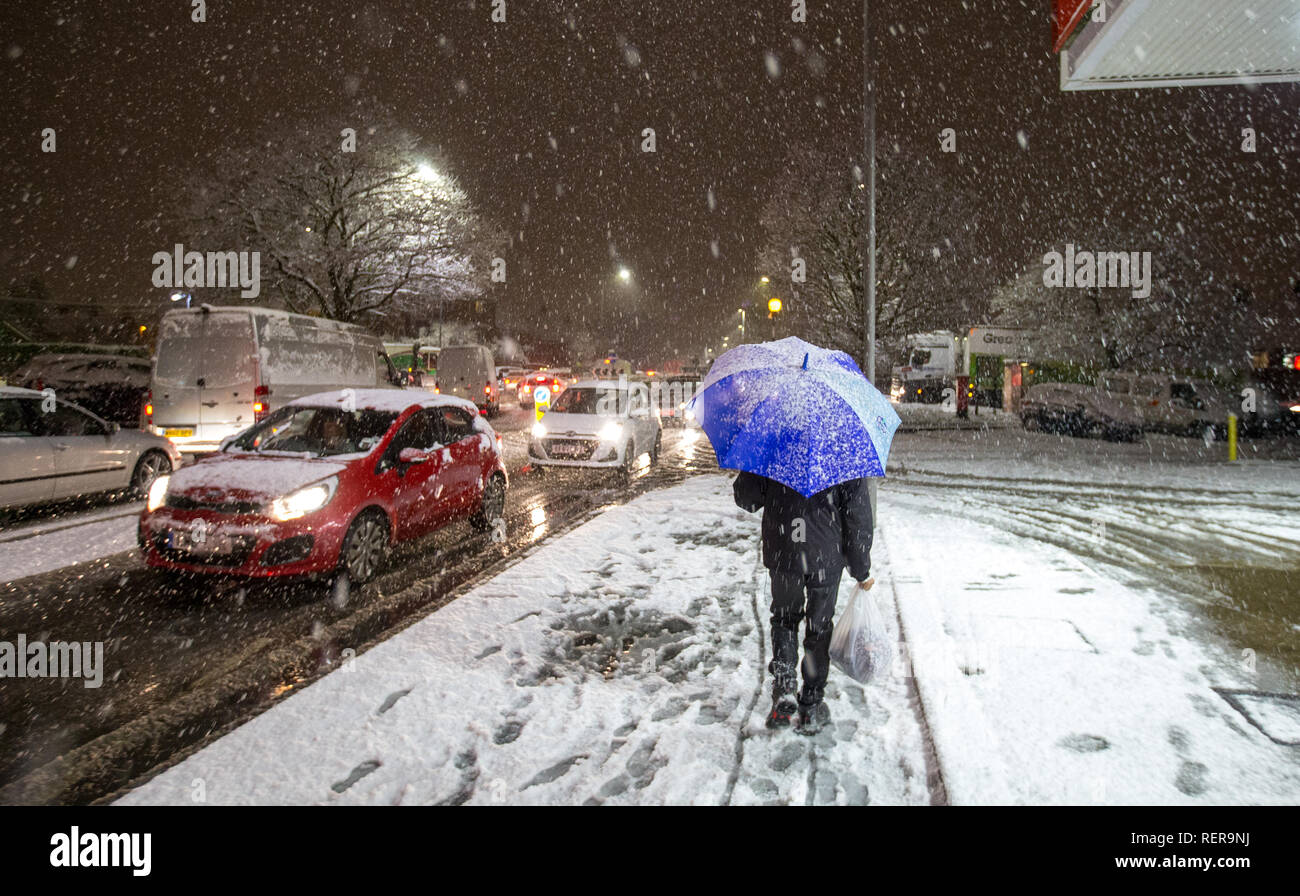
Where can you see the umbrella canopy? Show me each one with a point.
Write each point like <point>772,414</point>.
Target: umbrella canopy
<point>791,411</point>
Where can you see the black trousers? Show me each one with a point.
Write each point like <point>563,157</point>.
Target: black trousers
<point>796,596</point>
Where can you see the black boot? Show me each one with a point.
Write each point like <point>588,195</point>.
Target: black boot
<point>812,718</point>
<point>783,709</point>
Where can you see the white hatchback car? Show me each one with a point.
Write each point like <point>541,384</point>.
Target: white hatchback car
<point>51,450</point>
<point>597,423</point>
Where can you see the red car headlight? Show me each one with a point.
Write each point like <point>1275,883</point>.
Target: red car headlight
<point>304,500</point>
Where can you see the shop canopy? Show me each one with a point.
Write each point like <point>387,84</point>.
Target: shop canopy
<point>1119,44</point>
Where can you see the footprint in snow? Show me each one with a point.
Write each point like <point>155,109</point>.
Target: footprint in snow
<point>555,772</point>
<point>614,787</point>
<point>356,775</point>
<point>1191,778</point>
<point>508,732</point>
<point>1084,743</point>
<point>786,756</point>
<point>391,699</point>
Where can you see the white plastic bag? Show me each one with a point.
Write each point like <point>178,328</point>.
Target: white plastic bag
<point>860,644</point>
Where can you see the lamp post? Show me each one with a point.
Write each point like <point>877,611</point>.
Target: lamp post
<point>869,263</point>
<point>742,323</point>
<point>869,137</point>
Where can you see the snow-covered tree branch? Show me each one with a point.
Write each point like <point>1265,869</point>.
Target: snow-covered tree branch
<point>347,234</point>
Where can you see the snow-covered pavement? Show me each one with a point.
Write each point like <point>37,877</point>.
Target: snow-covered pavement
<point>624,662</point>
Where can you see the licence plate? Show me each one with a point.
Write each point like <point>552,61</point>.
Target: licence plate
<point>178,433</point>
<point>211,543</point>
<point>566,449</point>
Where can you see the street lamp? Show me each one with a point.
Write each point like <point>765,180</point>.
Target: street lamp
<point>177,296</point>
<point>742,323</point>
<point>773,306</point>
<point>625,275</point>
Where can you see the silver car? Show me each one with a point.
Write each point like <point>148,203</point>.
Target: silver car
<point>52,449</point>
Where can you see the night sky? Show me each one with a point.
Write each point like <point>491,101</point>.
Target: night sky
<point>541,119</point>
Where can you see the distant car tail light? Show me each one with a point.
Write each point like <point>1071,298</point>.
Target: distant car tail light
<point>148,408</point>
<point>260,404</point>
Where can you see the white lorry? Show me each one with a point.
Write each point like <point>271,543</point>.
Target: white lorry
<point>931,363</point>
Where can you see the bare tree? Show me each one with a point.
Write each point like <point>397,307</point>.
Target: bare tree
<point>923,227</point>
<point>343,234</point>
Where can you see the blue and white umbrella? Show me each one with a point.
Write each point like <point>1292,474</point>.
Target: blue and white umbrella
<point>791,411</point>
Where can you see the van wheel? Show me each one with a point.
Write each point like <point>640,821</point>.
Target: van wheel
<point>493,505</point>
<point>148,468</point>
<point>365,546</point>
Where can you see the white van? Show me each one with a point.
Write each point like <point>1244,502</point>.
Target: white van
<point>468,371</point>
<point>218,370</point>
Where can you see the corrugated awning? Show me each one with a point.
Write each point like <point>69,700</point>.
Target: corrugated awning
<point>1185,43</point>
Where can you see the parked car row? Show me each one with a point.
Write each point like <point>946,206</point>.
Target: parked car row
<point>1075,409</point>
<point>1124,405</point>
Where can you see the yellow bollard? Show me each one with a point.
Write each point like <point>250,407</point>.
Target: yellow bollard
<point>1232,437</point>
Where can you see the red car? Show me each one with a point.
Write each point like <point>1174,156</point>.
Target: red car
<point>328,483</point>
<point>532,381</point>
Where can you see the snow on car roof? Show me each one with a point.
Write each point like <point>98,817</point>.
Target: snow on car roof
<point>323,323</point>
<point>394,400</point>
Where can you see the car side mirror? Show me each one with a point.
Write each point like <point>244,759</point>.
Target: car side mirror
<point>112,429</point>
<point>410,456</point>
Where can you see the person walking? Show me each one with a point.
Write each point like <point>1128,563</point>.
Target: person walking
<point>807,543</point>
<point>806,430</point>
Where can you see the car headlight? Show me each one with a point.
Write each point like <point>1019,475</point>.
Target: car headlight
<point>538,430</point>
<point>611,432</point>
<point>304,500</point>
<point>157,493</point>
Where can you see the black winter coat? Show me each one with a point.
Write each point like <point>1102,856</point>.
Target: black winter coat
<point>821,534</point>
